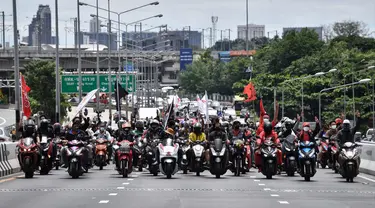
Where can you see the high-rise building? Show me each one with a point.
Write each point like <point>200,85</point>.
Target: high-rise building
<point>255,31</point>
<point>90,38</point>
<point>93,25</point>
<point>40,29</point>
<point>318,30</point>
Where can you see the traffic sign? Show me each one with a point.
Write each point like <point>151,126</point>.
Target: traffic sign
<point>69,83</point>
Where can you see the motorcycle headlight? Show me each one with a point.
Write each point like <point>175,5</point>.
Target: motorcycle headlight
<point>312,153</point>
<point>265,155</point>
<point>115,146</point>
<point>301,154</point>
<point>287,149</point>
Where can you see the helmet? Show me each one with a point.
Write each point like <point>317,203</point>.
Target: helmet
<point>266,117</point>
<point>139,125</point>
<point>197,127</point>
<point>288,124</point>
<point>126,126</point>
<point>346,125</point>
<point>236,122</point>
<point>119,123</point>
<point>44,124</point>
<point>57,127</point>
<point>267,127</point>
<point>306,126</point>
<point>154,124</point>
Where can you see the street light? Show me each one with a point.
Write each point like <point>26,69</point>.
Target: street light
<point>57,64</point>
<point>16,68</point>
<point>340,86</point>
<point>373,104</point>
<point>302,78</point>
<point>119,33</point>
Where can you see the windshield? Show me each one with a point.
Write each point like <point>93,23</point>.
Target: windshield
<point>168,142</point>
<point>1,132</point>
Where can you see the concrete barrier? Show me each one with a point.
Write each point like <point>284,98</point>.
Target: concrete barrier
<point>367,158</point>
<point>8,159</point>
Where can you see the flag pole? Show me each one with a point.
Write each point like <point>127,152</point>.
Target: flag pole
<point>118,96</point>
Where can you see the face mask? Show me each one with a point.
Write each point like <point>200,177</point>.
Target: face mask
<point>266,120</point>
<point>306,128</point>
<point>333,127</point>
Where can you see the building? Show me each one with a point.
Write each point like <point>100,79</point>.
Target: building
<point>93,25</point>
<point>90,38</point>
<point>163,40</point>
<point>40,29</point>
<point>255,31</point>
<point>318,30</point>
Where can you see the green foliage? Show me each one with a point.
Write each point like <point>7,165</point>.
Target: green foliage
<point>297,55</point>
<point>40,77</point>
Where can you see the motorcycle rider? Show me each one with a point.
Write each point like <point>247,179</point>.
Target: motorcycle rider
<point>46,129</point>
<point>102,132</point>
<point>139,128</point>
<point>197,136</point>
<point>234,134</point>
<point>346,134</point>
<point>267,133</point>
<point>125,133</point>
<point>217,132</point>
<point>307,135</point>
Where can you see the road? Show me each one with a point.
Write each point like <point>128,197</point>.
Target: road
<point>7,117</point>
<point>107,189</point>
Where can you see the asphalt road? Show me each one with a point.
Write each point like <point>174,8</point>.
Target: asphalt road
<point>107,189</point>
<point>7,117</point>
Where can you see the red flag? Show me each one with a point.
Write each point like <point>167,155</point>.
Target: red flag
<point>249,90</point>
<point>25,98</point>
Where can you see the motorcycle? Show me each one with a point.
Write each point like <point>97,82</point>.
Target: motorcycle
<point>153,166</point>
<point>324,157</point>
<point>307,159</point>
<point>197,158</point>
<point>349,159</point>
<point>185,147</point>
<point>238,157</point>
<point>219,160</point>
<point>59,145</point>
<point>269,158</point>
<point>333,152</point>
<point>168,157</point>
<point>46,162</point>
<point>101,152</point>
<point>74,153</point>
<point>28,156</point>
<point>124,158</point>
<point>139,152</point>
<point>290,163</point>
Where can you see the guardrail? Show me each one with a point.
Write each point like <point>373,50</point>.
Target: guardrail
<point>8,159</point>
<point>367,158</point>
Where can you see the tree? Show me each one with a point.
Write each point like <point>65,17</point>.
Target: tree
<point>40,77</point>
<point>350,28</point>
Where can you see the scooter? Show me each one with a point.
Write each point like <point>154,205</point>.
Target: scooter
<point>290,160</point>
<point>197,158</point>
<point>219,158</point>
<point>101,152</point>
<point>269,158</point>
<point>124,158</point>
<point>168,157</point>
<point>185,147</point>
<point>74,153</point>
<point>153,166</point>
<point>349,159</point>
<point>28,156</point>
<point>46,162</point>
<point>333,152</point>
<point>238,157</point>
<point>58,143</point>
<point>307,159</point>
<point>324,153</point>
<point>139,152</point>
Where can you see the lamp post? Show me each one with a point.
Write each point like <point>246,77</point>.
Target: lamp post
<point>373,104</point>
<point>119,33</point>
<point>336,87</point>
<point>247,25</point>
<point>3,16</point>
<point>16,68</point>
<point>302,78</point>
<point>78,39</point>
<point>57,69</point>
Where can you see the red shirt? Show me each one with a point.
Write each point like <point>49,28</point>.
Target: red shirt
<point>263,136</point>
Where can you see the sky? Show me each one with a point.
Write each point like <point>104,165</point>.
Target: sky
<point>274,14</point>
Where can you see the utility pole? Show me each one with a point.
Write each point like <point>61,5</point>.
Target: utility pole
<point>247,25</point>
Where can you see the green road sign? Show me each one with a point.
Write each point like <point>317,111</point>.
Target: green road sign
<point>69,83</point>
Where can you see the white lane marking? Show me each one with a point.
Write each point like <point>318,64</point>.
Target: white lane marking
<point>125,183</point>
<point>261,184</point>
<point>274,195</point>
<point>112,194</point>
<point>103,201</point>
<point>369,179</point>
<point>120,187</point>
<point>4,121</point>
<point>130,179</point>
<point>267,189</point>
<point>283,202</point>
<point>256,180</point>
<point>134,176</point>
<point>252,176</point>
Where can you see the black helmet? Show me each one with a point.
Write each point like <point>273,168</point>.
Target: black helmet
<point>267,127</point>
<point>288,124</point>
<point>44,124</point>
<point>139,125</point>
<point>197,127</point>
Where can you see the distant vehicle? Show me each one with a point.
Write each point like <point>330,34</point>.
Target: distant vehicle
<point>243,113</point>
<point>3,135</point>
<point>238,103</point>
<point>230,112</point>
